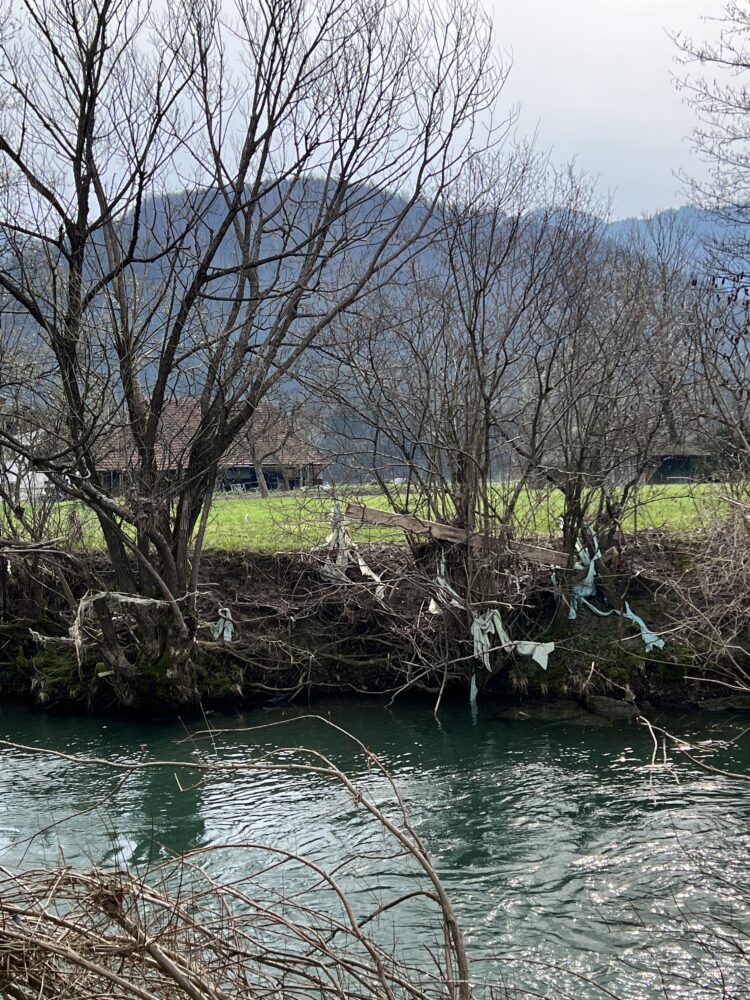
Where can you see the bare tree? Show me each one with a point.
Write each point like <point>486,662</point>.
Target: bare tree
<point>720,359</point>
<point>719,335</point>
<point>718,94</point>
<point>709,604</point>
<point>434,380</point>
<point>599,415</point>
<point>195,198</point>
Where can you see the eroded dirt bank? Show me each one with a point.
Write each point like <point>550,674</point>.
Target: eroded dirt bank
<point>298,634</point>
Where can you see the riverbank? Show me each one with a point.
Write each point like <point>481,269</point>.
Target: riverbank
<point>299,632</point>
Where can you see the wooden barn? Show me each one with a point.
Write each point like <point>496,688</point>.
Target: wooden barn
<point>272,453</point>
<point>675,463</point>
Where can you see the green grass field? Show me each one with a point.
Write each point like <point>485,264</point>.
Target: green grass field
<point>285,523</point>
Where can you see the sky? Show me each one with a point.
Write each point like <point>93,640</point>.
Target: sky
<point>594,78</point>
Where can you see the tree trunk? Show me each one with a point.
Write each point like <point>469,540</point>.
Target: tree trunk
<point>258,466</point>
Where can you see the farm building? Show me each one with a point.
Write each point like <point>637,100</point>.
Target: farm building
<point>677,463</point>
<point>272,451</point>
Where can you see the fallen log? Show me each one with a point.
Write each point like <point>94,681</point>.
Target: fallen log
<point>450,533</point>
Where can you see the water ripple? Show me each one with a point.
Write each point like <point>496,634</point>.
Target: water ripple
<point>561,847</point>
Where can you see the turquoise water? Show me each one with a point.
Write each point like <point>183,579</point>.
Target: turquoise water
<point>574,865</point>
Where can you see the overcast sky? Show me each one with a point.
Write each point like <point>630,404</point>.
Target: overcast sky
<point>595,76</point>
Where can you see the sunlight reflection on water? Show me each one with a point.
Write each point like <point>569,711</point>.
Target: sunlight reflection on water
<point>557,843</point>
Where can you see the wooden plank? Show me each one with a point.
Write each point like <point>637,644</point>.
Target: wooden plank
<point>450,533</point>
<point>407,522</point>
<point>544,557</point>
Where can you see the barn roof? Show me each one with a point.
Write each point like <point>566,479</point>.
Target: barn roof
<point>278,441</point>
<point>680,451</point>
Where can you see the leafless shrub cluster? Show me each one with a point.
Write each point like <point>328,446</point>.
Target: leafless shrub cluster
<point>708,596</point>
<point>183,933</point>
<point>191,196</point>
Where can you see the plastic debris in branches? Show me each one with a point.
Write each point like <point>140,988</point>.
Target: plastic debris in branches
<point>586,588</point>
<point>650,639</point>
<point>346,554</point>
<point>487,630</point>
<point>489,624</point>
<point>223,629</point>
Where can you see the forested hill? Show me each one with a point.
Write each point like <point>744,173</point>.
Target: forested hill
<point>174,229</point>
<point>699,231</point>
<point>703,232</point>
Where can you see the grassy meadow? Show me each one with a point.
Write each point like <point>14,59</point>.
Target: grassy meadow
<point>292,522</point>
<point>286,523</point>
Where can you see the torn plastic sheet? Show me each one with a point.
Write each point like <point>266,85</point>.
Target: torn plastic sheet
<point>75,632</point>
<point>586,587</point>
<point>490,624</point>
<point>223,629</point>
<point>650,639</point>
<point>483,628</point>
<point>538,651</point>
<point>487,630</point>
<point>581,591</point>
<point>347,553</point>
<point>446,595</point>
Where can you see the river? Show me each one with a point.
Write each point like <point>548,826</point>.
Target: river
<point>565,852</point>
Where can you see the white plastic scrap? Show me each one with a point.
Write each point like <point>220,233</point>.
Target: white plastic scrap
<point>76,629</point>
<point>76,636</point>
<point>45,640</point>
<point>587,587</point>
<point>489,624</point>
<point>581,591</point>
<point>347,552</point>
<point>483,628</point>
<point>650,639</point>
<point>371,574</point>
<point>538,651</point>
<point>447,596</point>
<point>223,629</point>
